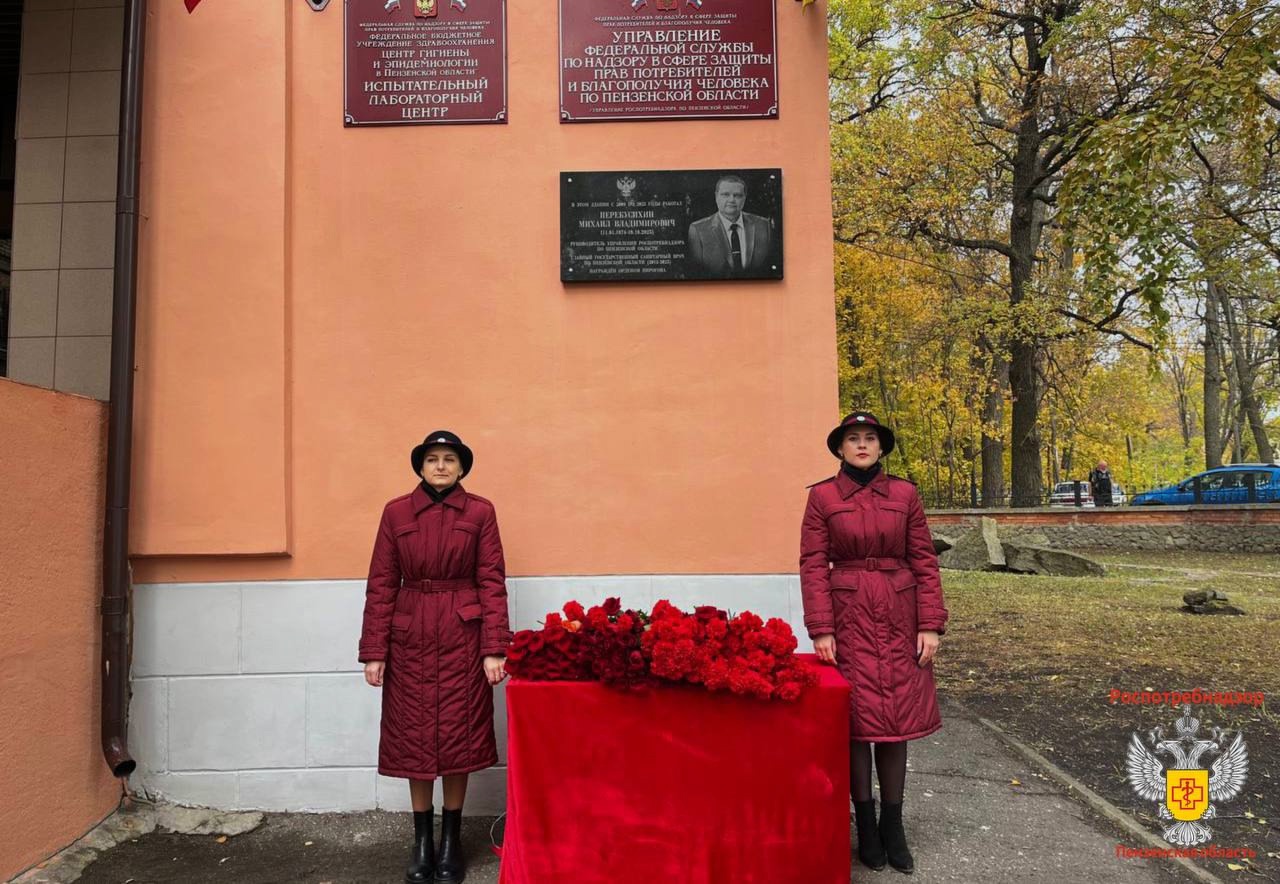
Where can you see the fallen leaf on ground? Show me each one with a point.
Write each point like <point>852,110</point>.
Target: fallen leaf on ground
<point>221,839</point>
<point>1015,782</point>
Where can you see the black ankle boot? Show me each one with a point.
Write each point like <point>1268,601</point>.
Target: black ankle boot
<point>870,850</point>
<point>422,861</point>
<point>894,838</point>
<point>451,868</point>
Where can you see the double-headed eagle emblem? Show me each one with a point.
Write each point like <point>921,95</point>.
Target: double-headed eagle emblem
<point>1186,790</point>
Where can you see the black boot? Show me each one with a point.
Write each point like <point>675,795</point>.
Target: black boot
<point>422,861</point>
<point>894,838</point>
<point>451,868</point>
<point>870,850</point>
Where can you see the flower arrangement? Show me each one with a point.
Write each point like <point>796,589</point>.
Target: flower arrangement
<point>742,654</point>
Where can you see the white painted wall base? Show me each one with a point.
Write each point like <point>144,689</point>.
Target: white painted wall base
<point>248,696</point>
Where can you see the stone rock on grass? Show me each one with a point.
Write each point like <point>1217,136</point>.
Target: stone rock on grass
<point>942,542</point>
<point>1207,601</point>
<point>978,549</point>
<point>1028,559</point>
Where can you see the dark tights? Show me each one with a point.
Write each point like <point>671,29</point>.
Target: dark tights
<point>891,768</point>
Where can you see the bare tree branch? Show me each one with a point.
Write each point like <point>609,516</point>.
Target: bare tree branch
<point>961,242</point>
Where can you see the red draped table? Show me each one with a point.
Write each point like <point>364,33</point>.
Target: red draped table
<point>676,784</point>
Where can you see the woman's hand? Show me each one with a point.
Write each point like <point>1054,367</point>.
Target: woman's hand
<point>825,647</point>
<point>495,669</point>
<point>926,647</point>
<point>373,671</point>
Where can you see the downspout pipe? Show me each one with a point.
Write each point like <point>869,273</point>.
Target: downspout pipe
<point>116,630</point>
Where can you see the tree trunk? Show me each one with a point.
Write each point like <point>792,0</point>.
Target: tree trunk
<point>993,429</point>
<point>1053,451</point>
<point>1250,408</point>
<point>1213,437</point>
<point>891,408</point>
<point>1177,365</point>
<point>1025,224</point>
<point>1024,387</point>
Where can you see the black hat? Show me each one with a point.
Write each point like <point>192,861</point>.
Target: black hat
<point>441,437</point>
<point>860,419</point>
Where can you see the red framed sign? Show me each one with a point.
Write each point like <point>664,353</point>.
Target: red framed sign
<point>424,61</point>
<point>667,59</point>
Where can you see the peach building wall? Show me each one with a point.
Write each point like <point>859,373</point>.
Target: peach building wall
<point>55,783</point>
<point>314,299</point>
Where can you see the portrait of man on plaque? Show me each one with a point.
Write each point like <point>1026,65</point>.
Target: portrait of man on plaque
<point>732,242</point>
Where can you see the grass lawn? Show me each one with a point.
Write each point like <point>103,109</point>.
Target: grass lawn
<point>1039,655</point>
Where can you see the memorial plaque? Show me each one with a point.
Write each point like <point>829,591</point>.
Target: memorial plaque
<point>667,59</point>
<point>425,61</point>
<point>694,224</point>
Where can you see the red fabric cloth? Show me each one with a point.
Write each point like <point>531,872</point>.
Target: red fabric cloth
<point>676,784</point>
<point>192,4</point>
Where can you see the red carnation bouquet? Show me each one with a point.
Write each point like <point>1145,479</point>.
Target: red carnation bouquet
<point>742,654</point>
<point>631,649</point>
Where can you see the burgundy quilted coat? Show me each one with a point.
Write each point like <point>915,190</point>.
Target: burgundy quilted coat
<point>868,574</point>
<point>435,606</point>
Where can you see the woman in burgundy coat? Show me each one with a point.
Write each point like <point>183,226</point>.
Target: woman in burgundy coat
<point>873,607</point>
<point>435,640</point>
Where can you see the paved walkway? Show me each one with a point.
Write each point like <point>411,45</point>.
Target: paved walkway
<point>966,817</point>
<point>967,821</point>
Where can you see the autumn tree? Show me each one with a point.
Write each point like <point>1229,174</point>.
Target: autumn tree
<point>1006,93</point>
<point>1194,175</point>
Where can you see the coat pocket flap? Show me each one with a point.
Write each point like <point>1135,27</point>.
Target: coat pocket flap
<point>844,579</point>
<point>470,612</point>
<point>845,508</point>
<point>402,620</point>
<point>401,530</point>
<point>894,506</point>
<point>466,526</point>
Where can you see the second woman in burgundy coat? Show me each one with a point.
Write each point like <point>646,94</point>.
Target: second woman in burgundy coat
<point>873,606</point>
<point>435,640</point>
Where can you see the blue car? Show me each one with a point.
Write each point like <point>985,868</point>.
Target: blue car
<point>1220,485</point>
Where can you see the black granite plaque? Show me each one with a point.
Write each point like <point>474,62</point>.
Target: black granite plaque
<point>688,224</point>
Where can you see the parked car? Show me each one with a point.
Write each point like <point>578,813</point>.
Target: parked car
<point>1227,484</point>
<point>1064,494</point>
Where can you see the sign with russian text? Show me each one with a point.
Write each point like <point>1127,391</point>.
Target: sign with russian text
<point>425,61</point>
<point>714,224</point>
<point>667,59</point>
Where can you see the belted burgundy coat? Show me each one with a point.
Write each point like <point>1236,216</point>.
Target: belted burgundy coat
<point>869,575</point>
<point>435,606</point>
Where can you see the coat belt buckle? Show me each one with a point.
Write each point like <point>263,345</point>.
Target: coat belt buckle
<point>872,564</point>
